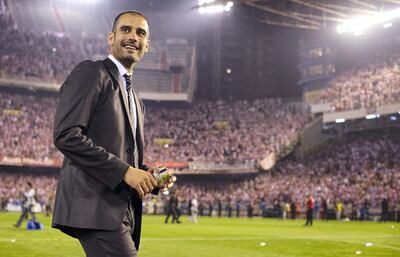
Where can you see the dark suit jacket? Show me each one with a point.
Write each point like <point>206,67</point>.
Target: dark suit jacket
<point>93,130</point>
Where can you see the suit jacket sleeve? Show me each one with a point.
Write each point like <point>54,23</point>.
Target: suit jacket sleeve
<point>79,96</point>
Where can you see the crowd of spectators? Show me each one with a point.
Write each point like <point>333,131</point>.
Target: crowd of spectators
<point>26,126</point>
<point>358,172</point>
<point>239,131</point>
<point>373,81</point>
<point>249,130</point>
<point>44,57</point>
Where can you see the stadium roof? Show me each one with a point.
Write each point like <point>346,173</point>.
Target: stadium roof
<point>311,14</point>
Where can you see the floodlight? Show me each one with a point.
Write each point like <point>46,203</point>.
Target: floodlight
<point>340,120</point>
<point>357,25</point>
<point>360,24</point>
<point>228,6</point>
<point>206,6</point>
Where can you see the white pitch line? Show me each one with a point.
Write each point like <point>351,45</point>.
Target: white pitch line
<point>388,247</point>
<point>227,239</point>
<point>236,238</point>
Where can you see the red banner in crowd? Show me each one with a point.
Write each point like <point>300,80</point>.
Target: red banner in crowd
<point>20,161</point>
<point>170,165</point>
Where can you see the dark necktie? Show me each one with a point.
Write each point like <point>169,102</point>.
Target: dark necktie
<point>129,90</point>
<point>129,93</point>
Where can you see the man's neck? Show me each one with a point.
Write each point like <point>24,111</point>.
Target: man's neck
<point>122,66</point>
<point>128,66</point>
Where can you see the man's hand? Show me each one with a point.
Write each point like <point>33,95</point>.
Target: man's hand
<point>142,181</point>
<point>167,184</point>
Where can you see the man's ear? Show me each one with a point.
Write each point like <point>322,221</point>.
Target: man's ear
<point>110,38</point>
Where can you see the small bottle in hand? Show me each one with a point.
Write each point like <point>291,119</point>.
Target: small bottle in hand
<point>162,176</point>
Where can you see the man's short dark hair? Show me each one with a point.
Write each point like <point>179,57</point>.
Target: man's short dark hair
<point>134,12</point>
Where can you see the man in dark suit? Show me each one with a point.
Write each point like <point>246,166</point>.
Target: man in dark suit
<point>99,129</point>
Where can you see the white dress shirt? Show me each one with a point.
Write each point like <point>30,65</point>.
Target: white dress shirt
<point>122,71</point>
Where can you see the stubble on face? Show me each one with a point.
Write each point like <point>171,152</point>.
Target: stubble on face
<point>130,41</point>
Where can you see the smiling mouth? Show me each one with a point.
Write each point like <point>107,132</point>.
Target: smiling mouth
<point>131,47</point>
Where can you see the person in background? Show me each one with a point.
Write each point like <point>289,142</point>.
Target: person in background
<point>237,208</point>
<point>310,211</point>
<point>293,210</point>
<point>324,209</point>
<point>339,209</point>
<point>384,210</point>
<point>172,208</point>
<point>194,209</point>
<point>28,201</point>
<point>250,208</point>
<point>286,210</point>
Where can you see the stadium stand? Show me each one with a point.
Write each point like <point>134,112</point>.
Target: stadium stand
<point>26,128</point>
<point>209,131</point>
<point>203,132</point>
<point>371,82</point>
<point>358,171</point>
<point>54,54</point>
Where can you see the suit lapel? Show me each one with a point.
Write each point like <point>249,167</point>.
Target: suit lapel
<point>113,70</point>
<point>140,123</point>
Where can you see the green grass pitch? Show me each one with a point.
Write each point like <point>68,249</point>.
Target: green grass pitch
<point>220,237</point>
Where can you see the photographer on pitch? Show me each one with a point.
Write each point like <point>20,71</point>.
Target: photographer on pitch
<point>28,201</point>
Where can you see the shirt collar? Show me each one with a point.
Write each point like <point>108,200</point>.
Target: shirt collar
<point>121,69</point>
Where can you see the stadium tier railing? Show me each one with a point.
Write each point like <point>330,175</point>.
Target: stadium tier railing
<point>204,168</point>
<point>23,83</point>
<point>330,116</point>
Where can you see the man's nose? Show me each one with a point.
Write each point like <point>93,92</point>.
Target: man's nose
<point>133,36</point>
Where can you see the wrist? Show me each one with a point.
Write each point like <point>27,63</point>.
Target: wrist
<point>128,173</point>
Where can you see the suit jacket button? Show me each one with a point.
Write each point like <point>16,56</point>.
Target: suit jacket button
<point>129,150</point>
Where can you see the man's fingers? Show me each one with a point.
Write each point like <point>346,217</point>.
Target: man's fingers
<point>149,185</point>
<point>140,191</point>
<point>151,169</point>
<point>152,181</point>
<point>144,187</point>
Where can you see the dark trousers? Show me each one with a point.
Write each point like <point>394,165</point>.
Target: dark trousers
<point>309,217</point>
<point>24,215</point>
<point>384,216</point>
<point>175,215</point>
<point>117,243</point>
